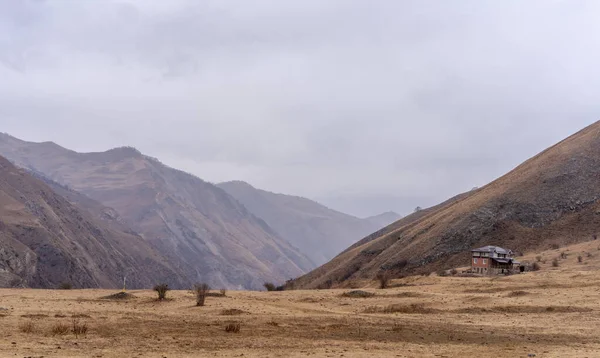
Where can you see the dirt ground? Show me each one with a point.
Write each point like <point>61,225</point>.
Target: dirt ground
<point>550,313</point>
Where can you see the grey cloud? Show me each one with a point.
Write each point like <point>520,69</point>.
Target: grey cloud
<point>367,105</point>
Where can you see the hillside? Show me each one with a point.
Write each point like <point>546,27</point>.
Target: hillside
<point>316,230</point>
<point>46,240</point>
<point>553,198</point>
<point>384,219</point>
<point>198,227</point>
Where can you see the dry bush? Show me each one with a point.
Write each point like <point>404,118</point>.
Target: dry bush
<point>563,255</point>
<point>357,294</point>
<point>161,290</point>
<point>223,292</point>
<point>589,255</point>
<point>538,258</point>
<point>580,259</point>
<point>555,263</point>
<point>233,327</point>
<point>232,312</point>
<point>59,329</point>
<point>65,286</point>
<point>201,290</point>
<point>555,246</point>
<point>453,272</point>
<point>269,286</point>
<point>535,267</point>
<point>273,323</point>
<point>517,294</point>
<point>27,327</point>
<point>384,278</point>
<point>78,328</point>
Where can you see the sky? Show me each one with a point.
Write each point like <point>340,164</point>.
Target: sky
<point>366,106</point>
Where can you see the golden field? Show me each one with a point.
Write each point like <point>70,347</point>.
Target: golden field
<point>550,313</point>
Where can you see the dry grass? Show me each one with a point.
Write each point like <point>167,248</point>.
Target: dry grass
<point>233,327</point>
<point>60,329</point>
<point>27,327</point>
<point>232,312</point>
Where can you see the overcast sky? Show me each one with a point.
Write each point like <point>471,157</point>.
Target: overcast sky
<point>367,106</point>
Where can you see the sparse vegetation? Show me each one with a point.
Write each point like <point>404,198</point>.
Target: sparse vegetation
<point>538,258</point>
<point>233,327</point>
<point>555,246</point>
<point>223,292</point>
<point>232,312</point>
<point>555,263</point>
<point>580,259</point>
<point>201,290</point>
<point>536,267</point>
<point>384,278</point>
<point>415,308</point>
<point>269,286</point>
<point>59,329</point>
<point>161,290</point>
<point>454,272</point>
<point>518,294</point>
<point>358,294</point>
<point>563,255</point>
<point>27,327</point>
<point>65,286</point>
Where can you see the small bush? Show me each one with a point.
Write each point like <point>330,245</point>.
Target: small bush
<point>27,327</point>
<point>563,255</point>
<point>233,327</point>
<point>589,255</point>
<point>269,286</point>
<point>59,329</point>
<point>453,272</point>
<point>162,290</point>
<point>442,273</point>
<point>78,328</point>
<point>555,263</point>
<point>538,258</point>
<point>65,286</point>
<point>358,294</point>
<point>555,246</point>
<point>595,237</point>
<point>201,290</point>
<point>232,312</point>
<point>384,278</point>
<point>535,267</point>
<point>580,259</point>
<point>223,292</point>
<point>518,293</point>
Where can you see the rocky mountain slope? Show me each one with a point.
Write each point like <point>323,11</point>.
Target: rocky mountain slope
<point>553,198</point>
<point>198,227</point>
<point>46,240</point>
<point>316,230</point>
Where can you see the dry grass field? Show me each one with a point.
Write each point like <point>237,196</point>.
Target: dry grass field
<point>550,313</point>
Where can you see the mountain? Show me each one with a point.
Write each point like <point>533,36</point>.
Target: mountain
<point>384,219</point>
<point>553,198</point>
<point>197,226</point>
<point>46,240</point>
<point>316,230</point>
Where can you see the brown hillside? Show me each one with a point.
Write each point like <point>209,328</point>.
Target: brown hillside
<point>46,240</point>
<point>199,228</point>
<point>551,198</point>
<point>321,233</point>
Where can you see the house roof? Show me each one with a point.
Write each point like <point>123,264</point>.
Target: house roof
<point>490,248</point>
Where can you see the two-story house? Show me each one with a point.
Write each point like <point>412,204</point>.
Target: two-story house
<point>490,260</point>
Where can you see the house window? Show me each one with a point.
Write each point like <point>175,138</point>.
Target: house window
<point>484,261</point>
<point>475,261</point>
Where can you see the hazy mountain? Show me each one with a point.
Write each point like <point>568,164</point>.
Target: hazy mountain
<point>384,219</point>
<point>553,198</point>
<point>198,227</point>
<point>319,232</point>
<point>46,240</point>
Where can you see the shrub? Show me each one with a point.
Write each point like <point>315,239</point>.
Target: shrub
<point>538,258</point>
<point>27,327</point>
<point>65,286</point>
<point>233,327</point>
<point>201,290</point>
<point>580,259</point>
<point>269,286</point>
<point>60,329</point>
<point>384,278</point>
<point>358,294</point>
<point>223,292</point>
<point>535,267</point>
<point>232,312</point>
<point>78,328</point>
<point>563,255</point>
<point>555,246</point>
<point>555,263</point>
<point>442,273</point>
<point>453,272</point>
<point>162,290</point>
<point>595,237</point>
<point>589,255</point>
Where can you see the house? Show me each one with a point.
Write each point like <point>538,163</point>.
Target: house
<point>492,260</point>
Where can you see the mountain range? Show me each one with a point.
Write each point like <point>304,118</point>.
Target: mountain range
<point>551,199</point>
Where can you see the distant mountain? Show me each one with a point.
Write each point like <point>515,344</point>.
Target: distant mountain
<point>385,219</point>
<point>198,227</point>
<point>46,240</point>
<point>319,232</point>
<point>553,198</point>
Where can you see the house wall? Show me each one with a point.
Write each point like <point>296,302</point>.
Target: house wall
<point>480,264</point>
